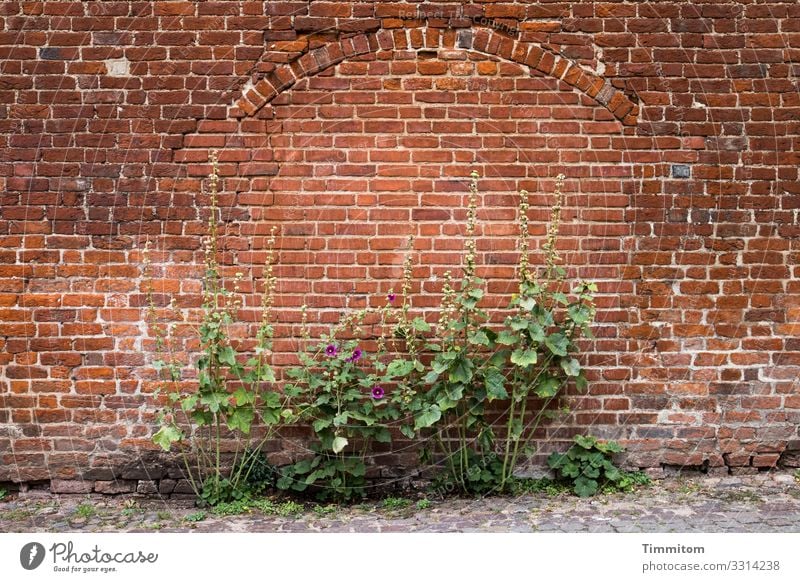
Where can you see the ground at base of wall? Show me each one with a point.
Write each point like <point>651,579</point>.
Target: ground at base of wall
<point>751,503</point>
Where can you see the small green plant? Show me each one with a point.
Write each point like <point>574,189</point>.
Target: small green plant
<point>196,516</point>
<point>423,504</point>
<point>289,508</point>
<point>629,481</point>
<point>588,465</point>
<point>163,515</point>
<point>320,509</point>
<point>393,503</point>
<point>85,510</point>
<point>797,475</point>
<point>544,485</point>
<point>3,493</point>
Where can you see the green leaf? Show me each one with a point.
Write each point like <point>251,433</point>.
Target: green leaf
<point>214,400</point>
<point>527,303</point>
<point>571,366</point>
<point>407,431</point>
<point>612,473</point>
<point>339,443</point>
<point>586,442</point>
<point>382,435</point>
<point>166,435</point>
<point>461,370</point>
<point>420,324</point>
<point>519,324</point>
<point>242,396</point>
<point>556,460</point>
<point>579,313</point>
<point>535,332</point>
<point>227,356</point>
<point>479,338</point>
<point>241,419</point>
<point>547,387</point>
<point>495,385</point>
<point>507,338</point>
<point>581,383</point>
<point>427,417</point>
<point>557,343</point>
<point>399,368</point>
<point>524,358</point>
<point>585,487</point>
<point>321,424</point>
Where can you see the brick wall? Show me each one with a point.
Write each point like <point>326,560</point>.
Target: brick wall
<point>350,125</point>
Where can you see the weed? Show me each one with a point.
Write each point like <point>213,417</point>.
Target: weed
<point>423,504</point>
<point>85,510</point>
<point>325,509</point>
<point>395,503</point>
<point>196,516</point>
<point>288,508</point>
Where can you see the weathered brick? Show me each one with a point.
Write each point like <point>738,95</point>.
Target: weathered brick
<point>350,125</point>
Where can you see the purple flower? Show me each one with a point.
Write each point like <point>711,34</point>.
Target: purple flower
<point>377,392</point>
<point>355,356</point>
<point>331,350</point>
<point>391,297</point>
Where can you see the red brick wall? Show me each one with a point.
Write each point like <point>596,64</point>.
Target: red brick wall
<point>350,125</point>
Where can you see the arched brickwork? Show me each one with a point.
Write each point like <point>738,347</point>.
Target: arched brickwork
<point>481,40</point>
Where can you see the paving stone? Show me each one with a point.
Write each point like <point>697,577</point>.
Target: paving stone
<point>742,503</point>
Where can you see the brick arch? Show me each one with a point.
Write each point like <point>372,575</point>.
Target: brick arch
<point>480,40</point>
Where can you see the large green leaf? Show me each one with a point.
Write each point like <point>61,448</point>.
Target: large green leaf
<point>241,419</point>
<point>321,424</point>
<point>535,332</point>
<point>579,313</point>
<point>399,368</point>
<point>479,338</point>
<point>339,443</point>
<point>571,366</point>
<point>382,435</point>
<point>461,370</point>
<point>507,338</point>
<point>227,356</point>
<point>166,435</point>
<point>427,417</point>
<point>420,324</point>
<point>587,442</point>
<point>547,387</point>
<point>495,385</point>
<point>557,343</point>
<point>214,400</point>
<point>585,487</point>
<point>524,358</point>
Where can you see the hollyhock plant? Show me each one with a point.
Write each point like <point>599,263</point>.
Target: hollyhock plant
<point>377,392</point>
<point>391,297</point>
<point>331,350</point>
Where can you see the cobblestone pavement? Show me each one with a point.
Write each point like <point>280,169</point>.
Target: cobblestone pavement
<point>754,503</point>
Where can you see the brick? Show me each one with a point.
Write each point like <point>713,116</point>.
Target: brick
<point>349,126</point>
